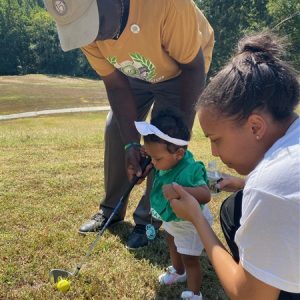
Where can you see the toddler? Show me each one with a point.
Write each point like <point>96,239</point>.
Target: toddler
<point>165,141</point>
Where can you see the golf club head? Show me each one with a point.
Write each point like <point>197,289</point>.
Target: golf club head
<point>56,274</point>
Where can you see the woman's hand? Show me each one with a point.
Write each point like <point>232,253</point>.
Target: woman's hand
<point>169,192</point>
<point>230,183</point>
<point>184,205</point>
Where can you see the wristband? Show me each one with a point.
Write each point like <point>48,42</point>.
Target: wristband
<point>129,145</point>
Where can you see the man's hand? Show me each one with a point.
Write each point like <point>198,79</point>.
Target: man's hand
<point>134,159</point>
<point>132,162</point>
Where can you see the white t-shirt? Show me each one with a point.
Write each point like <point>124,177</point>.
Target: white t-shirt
<point>269,236</point>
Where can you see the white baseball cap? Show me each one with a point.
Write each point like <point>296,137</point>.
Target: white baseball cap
<point>77,21</point>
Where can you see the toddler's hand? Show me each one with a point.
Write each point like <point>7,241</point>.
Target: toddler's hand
<point>169,192</point>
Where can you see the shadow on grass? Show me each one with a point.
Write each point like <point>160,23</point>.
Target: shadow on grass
<point>157,253</point>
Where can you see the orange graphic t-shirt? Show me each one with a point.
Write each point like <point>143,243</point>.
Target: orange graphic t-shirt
<point>159,35</point>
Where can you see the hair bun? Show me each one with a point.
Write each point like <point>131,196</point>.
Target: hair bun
<point>265,43</point>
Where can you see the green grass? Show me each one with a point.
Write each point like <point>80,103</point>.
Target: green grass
<point>51,182</point>
<point>39,92</point>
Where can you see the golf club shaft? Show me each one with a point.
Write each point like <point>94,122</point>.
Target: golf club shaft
<point>133,182</point>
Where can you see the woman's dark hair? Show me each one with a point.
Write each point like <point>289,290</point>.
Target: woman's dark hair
<point>256,78</point>
<point>170,122</point>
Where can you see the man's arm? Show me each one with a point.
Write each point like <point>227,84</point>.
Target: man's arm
<point>192,84</point>
<point>122,102</point>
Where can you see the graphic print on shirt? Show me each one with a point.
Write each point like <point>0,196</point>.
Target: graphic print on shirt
<point>139,67</point>
<point>155,214</point>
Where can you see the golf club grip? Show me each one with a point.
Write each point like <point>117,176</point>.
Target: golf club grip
<point>145,162</point>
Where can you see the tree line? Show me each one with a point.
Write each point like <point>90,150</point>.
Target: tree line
<point>29,42</point>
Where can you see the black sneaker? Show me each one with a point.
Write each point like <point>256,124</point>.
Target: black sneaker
<point>96,223</point>
<point>138,238</point>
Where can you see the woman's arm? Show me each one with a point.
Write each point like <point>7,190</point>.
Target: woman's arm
<point>236,281</point>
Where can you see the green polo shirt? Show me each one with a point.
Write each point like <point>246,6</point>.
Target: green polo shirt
<point>188,173</point>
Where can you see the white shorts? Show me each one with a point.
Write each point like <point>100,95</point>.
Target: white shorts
<point>186,238</point>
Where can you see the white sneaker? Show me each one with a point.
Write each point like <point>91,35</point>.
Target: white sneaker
<point>188,295</point>
<point>171,276</point>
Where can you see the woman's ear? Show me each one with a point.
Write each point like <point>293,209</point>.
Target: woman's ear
<point>179,153</point>
<point>258,125</point>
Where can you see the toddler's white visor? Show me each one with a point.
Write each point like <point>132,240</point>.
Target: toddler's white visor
<point>145,128</point>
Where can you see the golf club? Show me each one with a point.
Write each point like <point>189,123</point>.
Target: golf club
<point>56,274</point>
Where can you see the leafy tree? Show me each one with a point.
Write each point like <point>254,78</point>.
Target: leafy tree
<point>29,41</point>
<point>13,36</point>
<point>286,15</point>
<point>44,46</point>
<point>231,19</point>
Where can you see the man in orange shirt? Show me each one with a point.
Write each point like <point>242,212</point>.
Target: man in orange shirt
<point>147,53</point>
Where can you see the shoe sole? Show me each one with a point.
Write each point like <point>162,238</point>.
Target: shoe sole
<point>96,231</point>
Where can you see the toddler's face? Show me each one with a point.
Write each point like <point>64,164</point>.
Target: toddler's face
<point>234,143</point>
<point>162,159</point>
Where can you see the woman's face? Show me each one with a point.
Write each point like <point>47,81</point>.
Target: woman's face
<point>236,144</point>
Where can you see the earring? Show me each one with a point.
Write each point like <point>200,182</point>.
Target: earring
<point>257,137</point>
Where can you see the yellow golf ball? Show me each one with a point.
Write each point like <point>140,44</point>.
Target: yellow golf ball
<point>63,285</point>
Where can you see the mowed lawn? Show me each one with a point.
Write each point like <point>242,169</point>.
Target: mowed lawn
<point>40,92</point>
<point>51,182</point>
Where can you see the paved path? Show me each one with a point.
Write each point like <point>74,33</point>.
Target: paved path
<point>31,114</point>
